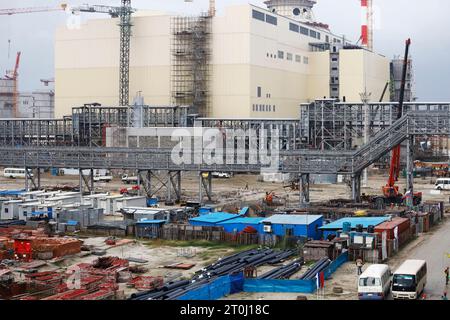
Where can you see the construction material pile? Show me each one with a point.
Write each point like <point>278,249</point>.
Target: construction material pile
<point>228,265</point>
<point>284,272</point>
<point>318,267</point>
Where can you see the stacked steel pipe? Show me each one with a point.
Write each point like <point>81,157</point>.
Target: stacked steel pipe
<point>284,272</point>
<point>228,265</point>
<point>318,267</point>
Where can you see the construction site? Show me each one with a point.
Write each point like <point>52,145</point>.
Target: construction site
<point>249,154</point>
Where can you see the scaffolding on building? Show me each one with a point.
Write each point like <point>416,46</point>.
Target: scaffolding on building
<point>191,54</point>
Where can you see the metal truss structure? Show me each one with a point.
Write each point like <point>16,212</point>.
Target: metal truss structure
<point>27,144</point>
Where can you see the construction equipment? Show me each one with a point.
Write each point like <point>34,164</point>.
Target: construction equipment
<point>133,191</point>
<point>14,76</point>
<point>123,13</point>
<point>10,12</point>
<point>390,190</point>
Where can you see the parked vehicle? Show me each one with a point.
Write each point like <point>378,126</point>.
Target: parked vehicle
<point>129,179</point>
<point>15,173</point>
<point>225,175</point>
<point>442,184</point>
<point>409,280</point>
<point>100,178</point>
<point>375,282</point>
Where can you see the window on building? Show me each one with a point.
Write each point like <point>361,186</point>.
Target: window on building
<point>334,59</point>
<point>294,27</point>
<point>258,15</point>
<point>273,108</point>
<point>289,56</point>
<point>272,20</point>
<point>334,68</point>
<point>318,35</point>
<point>327,38</point>
<point>280,54</point>
<point>298,58</point>
<point>313,33</point>
<point>258,92</point>
<point>270,108</point>
<point>305,60</point>
<point>304,31</point>
<point>267,55</point>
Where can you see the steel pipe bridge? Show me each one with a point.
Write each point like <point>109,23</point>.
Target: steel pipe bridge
<point>301,162</point>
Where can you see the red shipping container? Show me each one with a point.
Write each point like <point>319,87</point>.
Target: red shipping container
<point>403,225</point>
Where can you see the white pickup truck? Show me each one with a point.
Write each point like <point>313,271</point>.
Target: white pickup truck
<point>129,179</point>
<point>100,178</point>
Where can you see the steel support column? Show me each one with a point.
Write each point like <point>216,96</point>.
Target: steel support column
<point>205,184</point>
<point>87,182</point>
<point>410,168</point>
<point>304,183</point>
<point>32,179</point>
<point>356,187</point>
<point>175,183</point>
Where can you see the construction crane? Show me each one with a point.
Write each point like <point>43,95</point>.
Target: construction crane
<point>391,190</point>
<point>47,81</point>
<point>9,12</point>
<point>123,13</point>
<point>14,76</point>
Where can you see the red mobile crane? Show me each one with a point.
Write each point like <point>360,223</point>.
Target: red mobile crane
<point>390,190</point>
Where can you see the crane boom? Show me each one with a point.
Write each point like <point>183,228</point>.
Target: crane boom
<point>391,190</point>
<point>12,11</point>
<point>16,90</point>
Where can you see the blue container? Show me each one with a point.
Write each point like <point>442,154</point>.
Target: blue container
<point>152,202</point>
<point>346,227</point>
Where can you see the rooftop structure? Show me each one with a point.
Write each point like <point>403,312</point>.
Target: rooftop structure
<point>365,222</point>
<point>296,9</point>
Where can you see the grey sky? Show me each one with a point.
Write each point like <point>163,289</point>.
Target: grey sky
<point>426,22</point>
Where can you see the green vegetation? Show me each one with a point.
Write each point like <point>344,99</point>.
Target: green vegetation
<point>210,245</point>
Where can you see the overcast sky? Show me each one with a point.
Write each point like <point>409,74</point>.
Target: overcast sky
<point>426,22</point>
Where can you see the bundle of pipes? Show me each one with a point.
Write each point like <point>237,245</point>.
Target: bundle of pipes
<point>319,266</point>
<point>229,265</point>
<point>284,272</point>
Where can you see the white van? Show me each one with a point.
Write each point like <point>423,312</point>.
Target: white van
<point>375,282</point>
<point>409,280</point>
<point>13,173</point>
<point>442,184</point>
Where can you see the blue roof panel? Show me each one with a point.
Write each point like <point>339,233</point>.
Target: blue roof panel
<point>365,221</point>
<point>243,220</point>
<point>215,217</point>
<point>292,219</point>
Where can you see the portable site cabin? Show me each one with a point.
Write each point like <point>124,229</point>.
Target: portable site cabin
<point>360,225</point>
<point>94,199</point>
<point>306,226</point>
<point>240,224</point>
<point>212,219</point>
<point>109,204</point>
<point>125,202</point>
<point>143,213</point>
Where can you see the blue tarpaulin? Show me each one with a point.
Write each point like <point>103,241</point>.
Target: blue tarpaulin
<point>266,285</point>
<point>211,291</point>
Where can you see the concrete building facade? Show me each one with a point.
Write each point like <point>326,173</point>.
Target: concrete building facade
<point>262,64</point>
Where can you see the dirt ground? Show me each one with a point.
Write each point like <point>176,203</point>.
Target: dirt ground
<point>227,190</point>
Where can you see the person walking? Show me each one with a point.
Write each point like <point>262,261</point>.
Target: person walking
<point>359,265</point>
<point>444,297</point>
<point>446,272</point>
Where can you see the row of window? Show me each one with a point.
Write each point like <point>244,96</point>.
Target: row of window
<point>304,31</point>
<point>264,108</point>
<point>289,57</point>
<point>264,17</point>
<point>292,26</point>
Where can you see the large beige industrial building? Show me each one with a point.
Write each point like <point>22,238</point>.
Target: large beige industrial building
<point>260,64</point>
